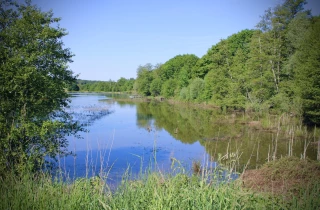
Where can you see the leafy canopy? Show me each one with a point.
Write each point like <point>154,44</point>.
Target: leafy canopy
<point>33,77</point>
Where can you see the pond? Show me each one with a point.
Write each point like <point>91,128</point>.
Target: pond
<point>126,136</point>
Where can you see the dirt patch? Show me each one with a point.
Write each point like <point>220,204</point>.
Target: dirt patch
<point>284,176</point>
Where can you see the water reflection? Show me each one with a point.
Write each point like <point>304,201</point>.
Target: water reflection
<point>116,140</point>
<point>124,133</point>
<point>222,135</point>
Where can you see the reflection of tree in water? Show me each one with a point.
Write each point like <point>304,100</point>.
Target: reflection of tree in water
<point>144,120</point>
<point>184,123</point>
<point>164,118</point>
<point>124,103</point>
<point>87,115</point>
<point>220,134</point>
<point>255,148</point>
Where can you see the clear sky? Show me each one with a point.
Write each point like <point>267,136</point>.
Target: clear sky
<point>111,38</point>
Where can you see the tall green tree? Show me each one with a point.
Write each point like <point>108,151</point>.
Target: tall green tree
<point>173,67</point>
<point>33,77</point>
<point>121,83</point>
<point>270,53</point>
<point>144,79</point>
<point>261,85</point>
<point>307,72</point>
<point>227,78</point>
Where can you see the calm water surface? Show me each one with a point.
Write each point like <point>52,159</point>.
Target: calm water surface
<point>132,136</point>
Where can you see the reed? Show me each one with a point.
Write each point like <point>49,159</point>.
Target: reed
<point>152,190</point>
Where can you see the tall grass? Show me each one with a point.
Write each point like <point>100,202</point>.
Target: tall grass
<point>41,192</point>
<point>152,190</point>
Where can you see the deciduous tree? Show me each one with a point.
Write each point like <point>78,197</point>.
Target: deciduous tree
<point>33,77</point>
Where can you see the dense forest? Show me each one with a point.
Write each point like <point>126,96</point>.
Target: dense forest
<point>276,65</point>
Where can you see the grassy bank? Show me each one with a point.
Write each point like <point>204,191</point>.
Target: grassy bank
<point>165,191</point>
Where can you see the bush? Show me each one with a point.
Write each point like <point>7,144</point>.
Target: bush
<point>196,88</point>
<point>184,93</point>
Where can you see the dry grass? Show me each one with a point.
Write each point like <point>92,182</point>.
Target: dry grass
<point>286,176</point>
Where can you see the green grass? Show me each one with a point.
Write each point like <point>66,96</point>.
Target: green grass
<point>183,192</point>
<point>150,191</point>
<point>40,192</point>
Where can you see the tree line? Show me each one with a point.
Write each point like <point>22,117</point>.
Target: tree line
<point>273,66</point>
<point>276,65</point>
<point>121,85</point>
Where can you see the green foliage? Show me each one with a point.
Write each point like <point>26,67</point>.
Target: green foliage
<point>33,78</point>
<point>270,67</point>
<point>144,79</point>
<point>208,86</point>
<point>122,85</point>
<point>281,102</point>
<point>184,93</point>
<point>168,88</point>
<point>150,191</point>
<point>253,69</point>
<point>172,68</point>
<point>41,191</point>
<point>226,77</point>
<point>261,86</point>
<point>184,76</point>
<point>196,88</point>
<point>202,67</point>
<point>307,74</point>
<point>73,87</point>
<point>155,87</point>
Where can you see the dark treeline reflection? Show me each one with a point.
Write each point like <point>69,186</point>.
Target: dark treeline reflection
<point>233,137</point>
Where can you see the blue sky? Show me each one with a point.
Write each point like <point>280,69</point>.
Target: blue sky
<point>111,38</point>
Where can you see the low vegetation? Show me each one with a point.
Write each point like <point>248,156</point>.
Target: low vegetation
<point>295,185</point>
